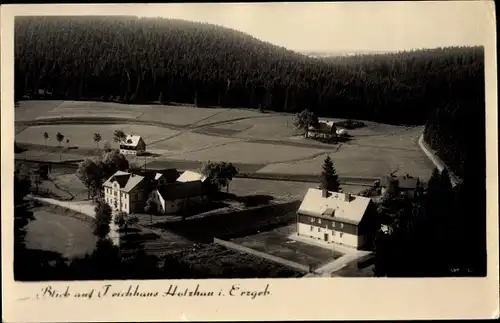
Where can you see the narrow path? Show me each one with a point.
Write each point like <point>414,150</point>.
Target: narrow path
<point>188,128</point>
<point>349,255</point>
<point>436,160</point>
<point>328,269</point>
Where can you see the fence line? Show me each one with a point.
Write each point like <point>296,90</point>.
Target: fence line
<point>281,261</point>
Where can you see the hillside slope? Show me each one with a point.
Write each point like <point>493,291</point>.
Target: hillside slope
<point>151,59</point>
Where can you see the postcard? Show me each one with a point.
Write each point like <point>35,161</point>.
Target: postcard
<point>249,161</point>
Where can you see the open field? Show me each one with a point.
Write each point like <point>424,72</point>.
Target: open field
<point>82,135</point>
<point>367,156</point>
<point>276,243</point>
<point>254,153</point>
<point>239,136</point>
<point>69,182</point>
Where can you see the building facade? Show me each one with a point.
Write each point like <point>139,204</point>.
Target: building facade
<point>336,218</point>
<point>126,192</point>
<point>179,197</point>
<point>402,186</point>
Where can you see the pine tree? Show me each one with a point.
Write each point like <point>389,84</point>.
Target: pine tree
<point>329,177</point>
<point>446,189</point>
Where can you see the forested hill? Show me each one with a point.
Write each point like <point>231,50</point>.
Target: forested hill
<point>129,59</point>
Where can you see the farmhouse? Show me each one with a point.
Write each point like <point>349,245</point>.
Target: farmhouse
<point>325,129</point>
<point>132,145</point>
<point>129,191</point>
<point>402,185</point>
<point>336,218</point>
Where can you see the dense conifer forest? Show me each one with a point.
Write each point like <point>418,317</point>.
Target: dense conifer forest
<point>145,60</point>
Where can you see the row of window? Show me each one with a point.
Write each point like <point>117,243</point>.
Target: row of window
<point>114,203</point>
<point>313,220</point>
<point>333,232</point>
<point>115,193</point>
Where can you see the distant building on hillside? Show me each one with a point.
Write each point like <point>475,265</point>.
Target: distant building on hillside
<point>405,185</point>
<point>326,129</point>
<point>336,218</point>
<point>132,145</point>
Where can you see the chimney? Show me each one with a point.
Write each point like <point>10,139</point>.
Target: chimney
<point>348,197</point>
<point>324,193</point>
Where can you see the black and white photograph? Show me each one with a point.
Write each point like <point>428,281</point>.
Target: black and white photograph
<point>253,140</point>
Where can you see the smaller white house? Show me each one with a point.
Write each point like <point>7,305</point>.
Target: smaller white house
<point>132,145</point>
<point>326,129</point>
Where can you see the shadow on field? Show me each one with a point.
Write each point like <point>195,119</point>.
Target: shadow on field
<point>232,224</point>
<point>248,200</point>
<point>133,238</point>
<point>340,139</point>
<point>149,154</point>
<point>18,150</point>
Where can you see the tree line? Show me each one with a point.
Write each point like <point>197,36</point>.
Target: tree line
<point>438,233</point>
<point>137,60</point>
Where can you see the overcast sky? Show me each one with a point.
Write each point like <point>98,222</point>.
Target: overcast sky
<point>358,26</point>
<point>329,27</point>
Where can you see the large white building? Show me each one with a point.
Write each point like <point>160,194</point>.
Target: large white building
<point>126,192</point>
<point>336,218</point>
<point>132,145</point>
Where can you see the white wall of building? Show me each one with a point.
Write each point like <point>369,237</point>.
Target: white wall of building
<point>118,200</point>
<point>332,236</point>
<point>128,152</point>
<point>169,207</point>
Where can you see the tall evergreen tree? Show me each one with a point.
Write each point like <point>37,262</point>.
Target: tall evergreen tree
<point>329,177</point>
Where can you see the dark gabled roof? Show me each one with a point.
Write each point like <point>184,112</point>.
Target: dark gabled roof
<point>180,190</point>
<point>170,174</point>
<point>126,181</point>
<point>121,179</point>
